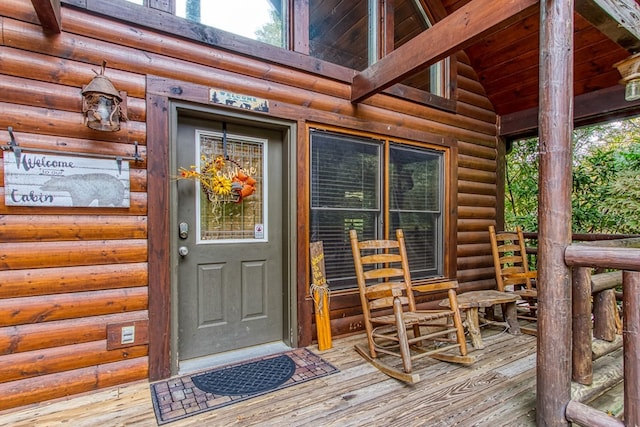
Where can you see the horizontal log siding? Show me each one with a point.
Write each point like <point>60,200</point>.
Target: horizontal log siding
<point>46,281</point>
<point>51,386</point>
<point>46,335</point>
<point>476,185</point>
<point>27,228</point>
<point>66,273</point>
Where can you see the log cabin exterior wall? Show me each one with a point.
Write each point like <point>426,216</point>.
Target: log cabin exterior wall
<point>67,275</point>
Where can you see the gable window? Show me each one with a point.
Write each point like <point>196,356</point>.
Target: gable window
<point>349,34</point>
<point>410,19</point>
<point>353,34</point>
<point>339,32</point>
<point>361,183</point>
<point>261,20</point>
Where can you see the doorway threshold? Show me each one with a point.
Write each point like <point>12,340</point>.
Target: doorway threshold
<point>219,359</point>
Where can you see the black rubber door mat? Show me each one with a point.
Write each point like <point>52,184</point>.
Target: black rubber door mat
<point>248,378</point>
<point>178,398</point>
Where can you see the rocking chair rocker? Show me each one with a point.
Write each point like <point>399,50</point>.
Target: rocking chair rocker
<point>393,324</point>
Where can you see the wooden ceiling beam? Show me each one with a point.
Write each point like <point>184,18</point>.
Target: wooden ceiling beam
<point>617,19</point>
<point>453,33</point>
<point>601,106</point>
<point>48,12</point>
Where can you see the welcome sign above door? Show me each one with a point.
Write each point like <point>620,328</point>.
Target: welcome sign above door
<point>54,181</point>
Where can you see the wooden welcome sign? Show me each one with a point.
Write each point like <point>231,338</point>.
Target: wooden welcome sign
<point>53,181</point>
<point>320,295</point>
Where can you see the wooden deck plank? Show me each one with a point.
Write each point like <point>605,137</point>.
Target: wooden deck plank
<point>111,407</point>
<point>464,394</point>
<point>498,390</point>
<point>363,404</point>
<point>611,402</point>
<point>501,404</point>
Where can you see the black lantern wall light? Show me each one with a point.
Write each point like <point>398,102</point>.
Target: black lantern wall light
<point>103,106</point>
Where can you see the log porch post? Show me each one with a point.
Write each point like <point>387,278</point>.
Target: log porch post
<point>554,212</point>
<point>582,359</point>
<point>631,343</point>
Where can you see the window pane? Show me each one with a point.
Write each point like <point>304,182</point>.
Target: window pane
<point>345,194</point>
<point>261,20</point>
<point>415,179</point>
<point>421,239</point>
<point>410,20</point>
<point>332,228</point>
<point>345,174</point>
<point>228,217</point>
<point>339,32</point>
<point>416,198</point>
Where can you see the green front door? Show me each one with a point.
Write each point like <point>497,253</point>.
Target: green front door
<point>230,281</point>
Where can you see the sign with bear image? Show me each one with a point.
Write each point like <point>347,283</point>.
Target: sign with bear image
<point>55,181</point>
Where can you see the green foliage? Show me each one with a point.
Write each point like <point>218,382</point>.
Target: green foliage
<point>605,180</point>
<point>193,10</point>
<point>521,187</point>
<point>271,32</point>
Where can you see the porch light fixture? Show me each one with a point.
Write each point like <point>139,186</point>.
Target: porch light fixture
<point>103,106</point>
<point>630,71</point>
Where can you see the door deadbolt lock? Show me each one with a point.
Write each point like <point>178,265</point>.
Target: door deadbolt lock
<point>183,230</point>
<point>183,251</point>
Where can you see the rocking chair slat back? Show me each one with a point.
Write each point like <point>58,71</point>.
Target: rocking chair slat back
<point>510,259</point>
<point>512,271</point>
<point>393,324</point>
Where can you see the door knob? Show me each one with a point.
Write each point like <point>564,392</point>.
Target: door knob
<point>183,251</point>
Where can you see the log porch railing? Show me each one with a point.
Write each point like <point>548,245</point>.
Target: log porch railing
<point>602,252</point>
<point>622,255</point>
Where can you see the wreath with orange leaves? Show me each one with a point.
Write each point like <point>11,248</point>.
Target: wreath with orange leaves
<point>222,180</point>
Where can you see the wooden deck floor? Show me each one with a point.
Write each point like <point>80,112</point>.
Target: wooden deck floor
<point>498,390</point>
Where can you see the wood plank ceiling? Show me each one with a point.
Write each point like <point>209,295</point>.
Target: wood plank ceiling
<point>502,42</point>
<point>507,65</point>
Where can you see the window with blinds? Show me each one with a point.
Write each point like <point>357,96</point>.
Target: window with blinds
<point>416,196</point>
<point>347,192</point>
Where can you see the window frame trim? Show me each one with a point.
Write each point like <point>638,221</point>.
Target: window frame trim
<point>449,149</point>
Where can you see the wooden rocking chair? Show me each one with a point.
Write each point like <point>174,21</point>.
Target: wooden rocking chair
<point>394,326</point>
<point>512,271</point>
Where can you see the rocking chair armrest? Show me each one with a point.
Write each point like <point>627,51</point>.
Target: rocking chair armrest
<point>391,289</point>
<point>523,275</point>
<point>437,286</point>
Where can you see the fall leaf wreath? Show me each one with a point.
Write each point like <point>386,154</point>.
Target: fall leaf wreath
<point>222,180</point>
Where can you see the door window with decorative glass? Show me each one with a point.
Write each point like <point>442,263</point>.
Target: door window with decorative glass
<point>230,175</point>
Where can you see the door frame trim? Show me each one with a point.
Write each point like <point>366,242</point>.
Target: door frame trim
<point>214,114</point>
<point>164,99</point>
